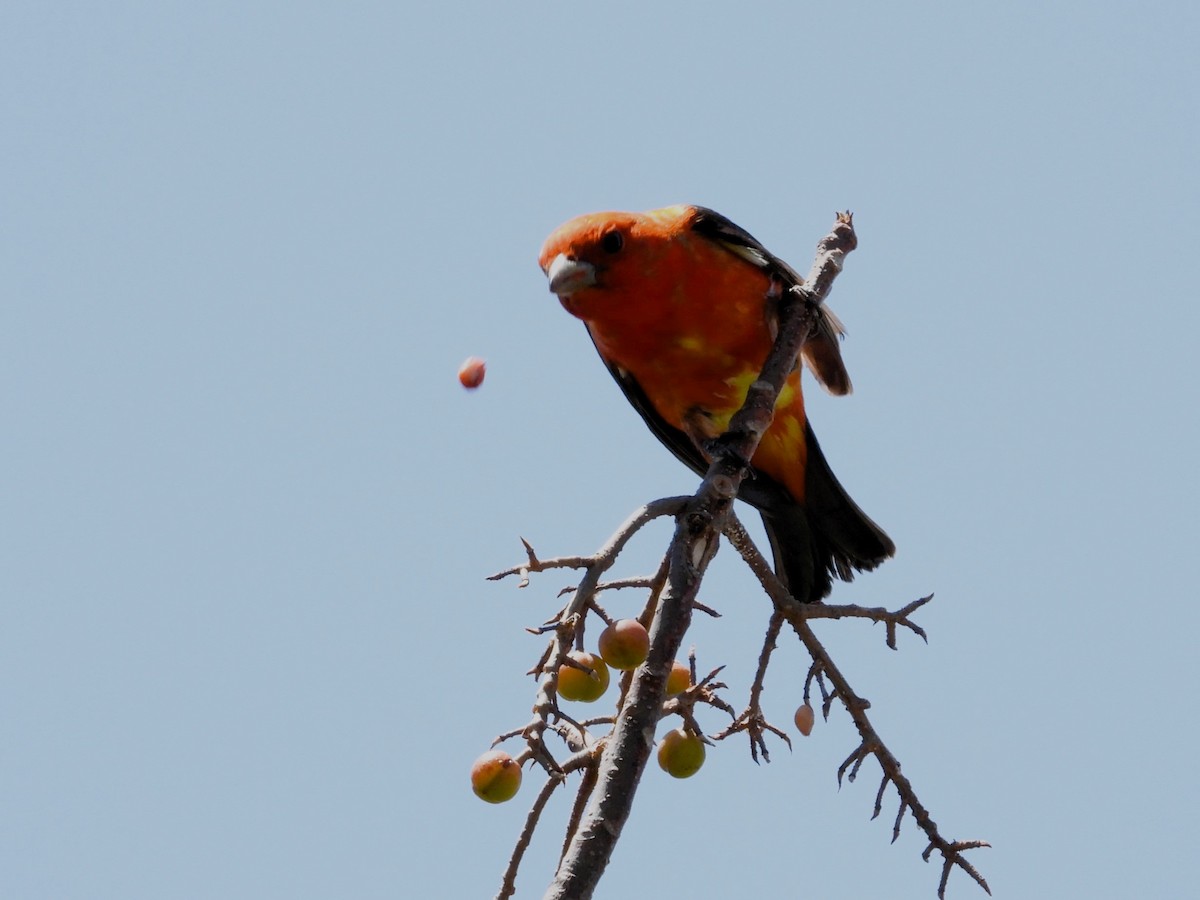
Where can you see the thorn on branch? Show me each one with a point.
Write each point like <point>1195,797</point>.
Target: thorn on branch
<point>573,663</point>
<point>501,738</point>
<point>901,617</point>
<point>815,674</point>
<point>890,618</point>
<point>883,783</point>
<point>755,724</point>
<point>853,762</point>
<point>707,679</point>
<point>574,734</point>
<point>541,663</point>
<point>538,751</point>
<point>657,583</point>
<point>952,856</point>
<point>899,816</point>
<point>702,691</point>
<point>533,564</point>
<point>752,720</point>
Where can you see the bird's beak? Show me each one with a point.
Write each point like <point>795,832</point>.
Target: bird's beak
<point>568,275</point>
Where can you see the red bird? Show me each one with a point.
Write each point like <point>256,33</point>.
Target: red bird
<point>679,303</point>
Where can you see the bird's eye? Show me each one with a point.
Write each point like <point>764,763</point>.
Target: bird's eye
<point>612,242</point>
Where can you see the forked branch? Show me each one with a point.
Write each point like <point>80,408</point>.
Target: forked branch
<point>798,615</point>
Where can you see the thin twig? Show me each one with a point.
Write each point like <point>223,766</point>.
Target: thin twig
<point>657,583</point>
<point>616,585</point>
<point>545,707</point>
<point>586,786</point>
<point>752,721</point>
<point>667,506</point>
<point>508,886</point>
<point>891,618</point>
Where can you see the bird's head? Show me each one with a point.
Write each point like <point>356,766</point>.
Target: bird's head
<point>600,258</point>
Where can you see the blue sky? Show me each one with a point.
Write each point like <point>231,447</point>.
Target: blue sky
<point>247,648</point>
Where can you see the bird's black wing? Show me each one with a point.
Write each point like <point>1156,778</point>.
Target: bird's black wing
<point>822,352</point>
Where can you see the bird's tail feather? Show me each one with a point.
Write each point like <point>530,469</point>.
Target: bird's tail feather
<point>827,537</point>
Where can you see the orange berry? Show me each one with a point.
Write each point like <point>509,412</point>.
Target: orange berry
<point>576,684</point>
<point>678,679</point>
<point>805,717</point>
<point>471,372</point>
<point>625,644</point>
<point>680,754</point>
<point>495,777</point>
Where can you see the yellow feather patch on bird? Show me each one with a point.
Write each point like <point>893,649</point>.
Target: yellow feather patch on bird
<point>669,215</point>
<point>792,428</point>
<point>741,382</point>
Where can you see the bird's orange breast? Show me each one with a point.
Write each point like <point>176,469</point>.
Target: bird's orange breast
<point>687,319</point>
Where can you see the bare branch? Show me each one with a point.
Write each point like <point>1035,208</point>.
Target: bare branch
<point>823,666</point>
<point>830,255</point>
<point>891,618</point>
<point>567,624</point>
<point>614,585</point>
<point>952,856</point>
<point>752,721</point>
<point>657,583</point>
<point>702,691</point>
<point>896,824</point>
<point>585,760</point>
<point>586,786</point>
<point>853,762</point>
<point>667,506</point>
<point>508,886</point>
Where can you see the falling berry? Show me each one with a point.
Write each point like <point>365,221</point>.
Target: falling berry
<point>471,372</point>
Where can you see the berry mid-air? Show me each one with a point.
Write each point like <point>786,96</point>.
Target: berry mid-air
<point>472,372</point>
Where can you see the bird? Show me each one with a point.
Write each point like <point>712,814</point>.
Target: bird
<point>681,305</point>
